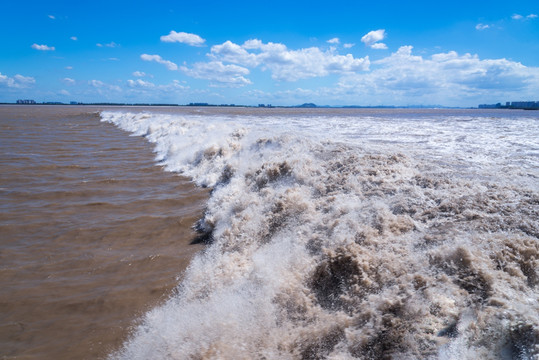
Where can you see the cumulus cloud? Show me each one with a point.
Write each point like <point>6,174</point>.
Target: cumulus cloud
<point>219,74</point>
<point>334,41</point>
<point>43,47</point>
<point>69,67</point>
<point>256,44</point>
<point>234,53</point>
<point>169,64</point>
<point>482,27</point>
<point>531,16</point>
<point>17,81</point>
<point>445,76</point>
<point>52,17</point>
<point>286,64</point>
<point>348,45</point>
<point>517,17</point>
<point>182,37</point>
<point>69,81</point>
<point>379,46</point>
<point>372,39</point>
<point>74,38</point>
<point>400,78</point>
<point>140,83</point>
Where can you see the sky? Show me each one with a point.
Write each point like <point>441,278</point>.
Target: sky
<point>449,53</point>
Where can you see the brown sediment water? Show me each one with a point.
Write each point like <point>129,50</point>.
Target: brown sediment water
<point>92,233</point>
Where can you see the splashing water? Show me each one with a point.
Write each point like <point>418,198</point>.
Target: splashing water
<point>352,236</point>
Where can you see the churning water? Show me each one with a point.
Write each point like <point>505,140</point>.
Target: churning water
<point>350,233</point>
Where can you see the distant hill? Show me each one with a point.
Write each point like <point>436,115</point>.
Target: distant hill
<point>307,105</point>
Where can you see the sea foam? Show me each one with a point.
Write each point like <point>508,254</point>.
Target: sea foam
<point>347,237</point>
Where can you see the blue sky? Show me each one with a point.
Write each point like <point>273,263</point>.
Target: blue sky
<point>458,53</point>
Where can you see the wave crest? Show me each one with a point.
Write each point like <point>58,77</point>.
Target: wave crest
<point>326,249</point>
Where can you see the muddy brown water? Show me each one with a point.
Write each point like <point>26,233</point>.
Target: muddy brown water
<point>92,232</point>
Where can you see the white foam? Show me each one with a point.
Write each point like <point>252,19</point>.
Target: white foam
<point>343,237</point>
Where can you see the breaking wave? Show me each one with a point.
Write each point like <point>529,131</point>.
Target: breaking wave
<point>351,237</point>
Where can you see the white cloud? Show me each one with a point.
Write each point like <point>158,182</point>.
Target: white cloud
<point>254,44</point>
<point>348,45</point>
<point>289,97</point>
<point>444,77</point>
<point>176,84</point>
<point>182,37</point>
<point>482,27</point>
<point>334,41</point>
<point>234,53</point>
<point>51,17</point>
<point>96,83</point>
<point>140,83</point>
<point>69,67</point>
<point>17,81</point>
<point>69,81</point>
<point>111,44</point>
<point>43,47</point>
<point>219,74</point>
<point>169,64</point>
<point>139,90</point>
<point>139,73</point>
<point>113,59</point>
<point>372,39</point>
<point>102,87</point>
<point>520,17</point>
<point>285,64</point>
<point>74,38</point>
<point>23,81</point>
<point>379,46</point>
<point>106,92</point>
<point>64,92</point>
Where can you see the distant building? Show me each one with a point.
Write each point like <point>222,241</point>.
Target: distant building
<point>26,102</point>
<point>525,105</point>
<point>490,106</point>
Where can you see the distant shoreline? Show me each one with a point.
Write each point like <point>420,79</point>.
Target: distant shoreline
<point>262,106</point>
<point>269,106</point>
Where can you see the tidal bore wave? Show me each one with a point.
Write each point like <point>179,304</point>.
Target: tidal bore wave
<point>351,238</point>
